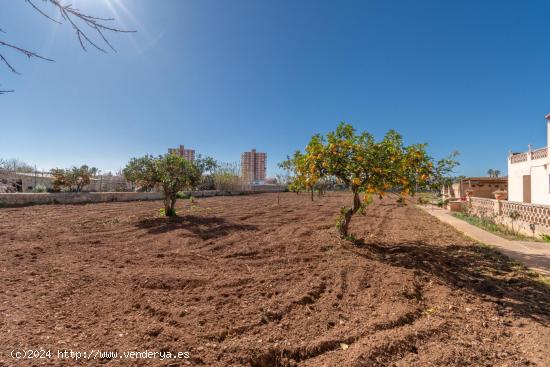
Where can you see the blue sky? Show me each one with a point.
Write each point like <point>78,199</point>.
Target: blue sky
<point>227,76</point>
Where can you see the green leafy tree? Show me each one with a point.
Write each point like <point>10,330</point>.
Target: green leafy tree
<point>72,179</point>
<point>289,165</point>
<point>207,166</point>
<point>303,179</point>
<point>441,174</point>
<point>141,172</point>
<point>493,173</point>
<point>170,173</point>
<point>364,165</point>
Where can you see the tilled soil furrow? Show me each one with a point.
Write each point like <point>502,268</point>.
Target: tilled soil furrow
<point>263,280</point>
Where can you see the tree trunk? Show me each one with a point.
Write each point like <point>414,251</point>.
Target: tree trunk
<point>166,206</point>
<point>356,202</point>
<point>169,202</point>
<point>312,194</point>
<point>173,206</point>
<point>345,219</point>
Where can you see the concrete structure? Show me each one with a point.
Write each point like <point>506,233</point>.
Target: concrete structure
<point>188,154</point>
<point>253,166</point>
<point>20,199</point>
<point>26,182</point>
<point>74,197</point>
<point>528,219</point>
<point>482,187</point>
<point>529,174</point>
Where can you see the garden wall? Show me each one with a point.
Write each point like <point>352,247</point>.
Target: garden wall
<point>74,197</point>
<point>531,219</point>
<point>19,199</point>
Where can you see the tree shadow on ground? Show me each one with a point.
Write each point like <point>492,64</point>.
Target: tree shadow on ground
<point>476,269</point>
<point>204,227</point>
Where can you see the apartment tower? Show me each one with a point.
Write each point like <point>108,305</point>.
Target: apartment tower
<point>188,154</point>
<point>253,166</point>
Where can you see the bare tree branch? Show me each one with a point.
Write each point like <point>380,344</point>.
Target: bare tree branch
<point>41,12</point>
<point>3,59</point>
<point>25,52</point>
<point>73,17</point>
<point>70,15</point>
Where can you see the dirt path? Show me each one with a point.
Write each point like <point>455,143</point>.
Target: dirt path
<point>242,281</point>
<point>535,255</point>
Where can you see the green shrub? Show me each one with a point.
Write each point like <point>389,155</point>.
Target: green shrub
<point>170,213</point>
<point>171,173</point>
<point>40,188</point>
<point>182,195</point>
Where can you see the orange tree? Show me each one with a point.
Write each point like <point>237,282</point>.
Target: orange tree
<point>366,166</point>
<point>72,179</point>
<point>302,179</point>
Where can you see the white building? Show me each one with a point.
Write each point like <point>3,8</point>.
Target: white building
<point>529,174</point>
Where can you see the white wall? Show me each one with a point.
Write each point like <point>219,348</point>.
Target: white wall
<point>538,169</point>
<point>540,183</point>
<point>515,179</point>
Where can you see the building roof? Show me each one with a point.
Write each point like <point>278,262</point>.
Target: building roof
<point>486,179</point>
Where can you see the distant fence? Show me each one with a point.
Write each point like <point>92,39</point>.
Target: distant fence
<point>19,199</point>
<point>13,181</point>
<point>530,218</point>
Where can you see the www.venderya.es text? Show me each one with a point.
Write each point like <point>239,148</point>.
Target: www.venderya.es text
<point>94,354</point>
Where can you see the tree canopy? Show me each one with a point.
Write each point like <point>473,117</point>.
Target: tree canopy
<point>72,179</point>
<point>170,173</point>
<point>366,166</point>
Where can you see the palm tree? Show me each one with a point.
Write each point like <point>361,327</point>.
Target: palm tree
<point>496,173</point>
<point>491,172</point>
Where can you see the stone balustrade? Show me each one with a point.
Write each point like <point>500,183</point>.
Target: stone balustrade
<point>529,219</point>
<point>531,155</point>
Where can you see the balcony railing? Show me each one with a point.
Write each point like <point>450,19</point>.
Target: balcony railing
<point>539,153</point>
<point>531,155</point>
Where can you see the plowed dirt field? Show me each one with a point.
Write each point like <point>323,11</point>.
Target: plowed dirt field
<point>248,281</point>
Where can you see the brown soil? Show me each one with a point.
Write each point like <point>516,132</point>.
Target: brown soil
<point>244,281</point>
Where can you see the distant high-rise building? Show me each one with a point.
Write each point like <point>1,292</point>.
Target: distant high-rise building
<point>188,154</point>
<point>253,166</point>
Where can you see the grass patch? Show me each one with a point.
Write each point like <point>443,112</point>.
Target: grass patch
<point>495,228</point>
